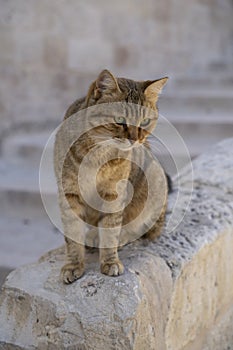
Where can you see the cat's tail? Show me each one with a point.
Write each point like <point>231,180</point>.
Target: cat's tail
<point>169,183</point>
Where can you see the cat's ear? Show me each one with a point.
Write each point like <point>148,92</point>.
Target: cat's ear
<point>154,88</point>
<point>106,83</point>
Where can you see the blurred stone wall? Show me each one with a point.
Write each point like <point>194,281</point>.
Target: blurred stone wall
<point>51,50</point>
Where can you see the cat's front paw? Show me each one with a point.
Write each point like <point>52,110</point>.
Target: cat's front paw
<point>113,268</point>
<point>72,272</point>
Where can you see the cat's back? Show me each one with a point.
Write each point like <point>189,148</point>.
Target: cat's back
<point>76,106</point>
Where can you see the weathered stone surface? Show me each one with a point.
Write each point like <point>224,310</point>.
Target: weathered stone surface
<point>97,312</point>
<point>176,293</point>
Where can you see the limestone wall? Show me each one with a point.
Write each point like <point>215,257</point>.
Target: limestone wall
<point>176,293</point>
<point>51,50</point>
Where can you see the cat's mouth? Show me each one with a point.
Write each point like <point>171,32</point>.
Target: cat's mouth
<point>126,144</point>
<point>123,144</point>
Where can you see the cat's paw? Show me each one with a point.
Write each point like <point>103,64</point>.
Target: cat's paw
<point>72,272</point>
<point>113,268</point>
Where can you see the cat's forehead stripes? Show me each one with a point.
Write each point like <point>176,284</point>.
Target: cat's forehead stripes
<point>136,112</point>
<point>134,96</point>
<point>133,91</point>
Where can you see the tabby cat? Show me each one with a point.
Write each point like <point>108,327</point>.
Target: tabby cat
<point>128,132</point>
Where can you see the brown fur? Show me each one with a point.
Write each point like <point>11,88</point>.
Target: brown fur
<point>108,89</point>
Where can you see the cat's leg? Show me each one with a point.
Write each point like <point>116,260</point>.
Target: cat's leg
<point>75,256</point>
<point>74,231</point>
<point>110,263</point>
<point>109,233</point>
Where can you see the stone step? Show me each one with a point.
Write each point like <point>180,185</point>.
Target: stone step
<point>201,103</point>
<point>202,99</point>
<point>198,137</point>
<point>199,127</point>
<point>197,108</point>
<point>197,91</point>
<point>19,179</point>
<point>23,240</point>
<point>26,146</point>
<point>212,80</point>
<point>20,192</point>
<point>25,229</point>
<point>198,131</point>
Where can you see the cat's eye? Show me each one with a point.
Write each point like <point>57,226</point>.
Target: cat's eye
<point>120,120</point>
<point>145,122</point>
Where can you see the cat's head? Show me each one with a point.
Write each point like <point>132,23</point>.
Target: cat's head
<point>135,124</point>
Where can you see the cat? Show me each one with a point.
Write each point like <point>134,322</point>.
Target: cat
<point>124,224</point>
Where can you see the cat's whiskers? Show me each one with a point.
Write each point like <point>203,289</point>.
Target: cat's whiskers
<point>156,148</point>
<point>102,139</point>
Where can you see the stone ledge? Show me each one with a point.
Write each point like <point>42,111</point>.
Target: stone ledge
<point>176,293</point>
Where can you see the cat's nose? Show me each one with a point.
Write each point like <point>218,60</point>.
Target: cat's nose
<point>133,133</point>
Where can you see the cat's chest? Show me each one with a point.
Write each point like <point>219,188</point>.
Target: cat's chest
<point>101,170</point>
<point>113,171</point>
